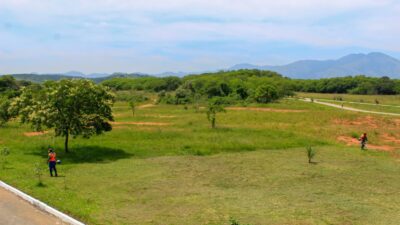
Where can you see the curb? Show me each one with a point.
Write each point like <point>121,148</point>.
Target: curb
<point>40,205</point>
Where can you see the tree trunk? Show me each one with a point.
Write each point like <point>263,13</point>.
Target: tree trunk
<point>66,141</point>
<point>213,122</point>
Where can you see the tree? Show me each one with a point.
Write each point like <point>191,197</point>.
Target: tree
<point>215,106</point>
<point>266,94</point>
<point>132,104</point>
<point>4,112</point>
<point>71,107</point>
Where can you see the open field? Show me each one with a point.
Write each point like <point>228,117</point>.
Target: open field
<point>166,166</point>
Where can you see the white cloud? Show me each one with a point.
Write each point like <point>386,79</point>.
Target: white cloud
<point>118,31</point>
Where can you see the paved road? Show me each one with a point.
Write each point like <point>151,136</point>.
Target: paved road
<point>15,211</point>
<point>349,108</point>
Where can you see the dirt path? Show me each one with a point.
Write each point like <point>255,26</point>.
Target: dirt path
<point>141,123</point>
<point>15,211</point>
<point>354,142</point>
<point>349,108</point>
<point>264,109</point>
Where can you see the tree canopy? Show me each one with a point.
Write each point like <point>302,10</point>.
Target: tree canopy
<point>70,107</point>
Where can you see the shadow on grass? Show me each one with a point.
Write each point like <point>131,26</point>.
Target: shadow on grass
<point>89,154</point>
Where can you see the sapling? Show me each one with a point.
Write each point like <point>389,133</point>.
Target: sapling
<point>4,153</point>
<point>310,154</point>
<point>132,104</point>
<point>39,173</point>
<point>214,106</point>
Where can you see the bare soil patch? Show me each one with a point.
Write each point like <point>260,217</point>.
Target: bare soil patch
<point>397,122</point>
<point>159,116</point>
<point>390,138</point>
<point>146,106</point>
<point>366,121</point>
<point>33,134</point>
<point>354,142</point>
<point>264,109</point>
<point>141,123</point>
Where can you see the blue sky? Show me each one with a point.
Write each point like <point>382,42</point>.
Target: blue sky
<point>188,35</point>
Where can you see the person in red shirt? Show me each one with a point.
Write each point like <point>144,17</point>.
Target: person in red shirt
<point>363,140</point>
<point>52,162</point>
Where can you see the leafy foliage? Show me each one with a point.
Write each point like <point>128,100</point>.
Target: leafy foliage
<point>71,107</point>
<point>214,106</point>
<point>310,154</point>
<point>266,94</point>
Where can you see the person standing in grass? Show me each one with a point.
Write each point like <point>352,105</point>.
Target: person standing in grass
<point>52,162</point>
<point>363,140</point>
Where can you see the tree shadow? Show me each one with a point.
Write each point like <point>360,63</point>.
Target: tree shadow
<point>88,154</point>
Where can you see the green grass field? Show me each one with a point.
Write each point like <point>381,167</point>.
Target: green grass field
<point>167,166</point>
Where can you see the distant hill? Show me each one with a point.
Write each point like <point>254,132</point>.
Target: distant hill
<point>40,78</point>
<point>372,64</point>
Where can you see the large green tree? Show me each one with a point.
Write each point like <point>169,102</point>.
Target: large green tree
<point>70,107</point>
<point>266,93</point>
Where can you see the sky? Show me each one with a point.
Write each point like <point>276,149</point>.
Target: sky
<point>154,36</point>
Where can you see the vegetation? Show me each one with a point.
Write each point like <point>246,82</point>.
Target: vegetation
<point>310,154</point>
<point>251,168</point>
<point>4,153</point>
<point>353,85</point>
<point>71,107</point>
<point>214,106</point>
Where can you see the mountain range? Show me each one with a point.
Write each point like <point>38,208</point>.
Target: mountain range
<point>372,64</point>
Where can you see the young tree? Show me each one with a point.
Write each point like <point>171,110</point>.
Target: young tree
<point>132,104</point>
<point>70,107</point>
<point>215,106</point>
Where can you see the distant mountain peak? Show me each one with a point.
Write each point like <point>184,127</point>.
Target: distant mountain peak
<point>371,64</point>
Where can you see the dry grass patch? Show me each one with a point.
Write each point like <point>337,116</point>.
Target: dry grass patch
<point>33,134</point>
<point>142,123</point>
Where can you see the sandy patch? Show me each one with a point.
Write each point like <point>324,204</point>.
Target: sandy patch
<point>141,123</point>
<point>390,138</point>
<point>33,134</point>
<point>367,121</point>
<point>264,109</point>
<point>159,116</point>
<point>146,106</point>
<point>354,142</point>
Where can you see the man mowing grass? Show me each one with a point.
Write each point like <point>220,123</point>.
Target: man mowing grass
<point>363,141</point>
<point>52,162</point>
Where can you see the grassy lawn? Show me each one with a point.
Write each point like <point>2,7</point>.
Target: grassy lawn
<point>166,166</point>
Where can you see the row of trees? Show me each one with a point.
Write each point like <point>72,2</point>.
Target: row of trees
<point>250,86</point>
<point>232,86</point>
<point>351,85</point>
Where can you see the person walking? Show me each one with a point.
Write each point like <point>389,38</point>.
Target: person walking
<point>52,162</point>
<point>363,140</point>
